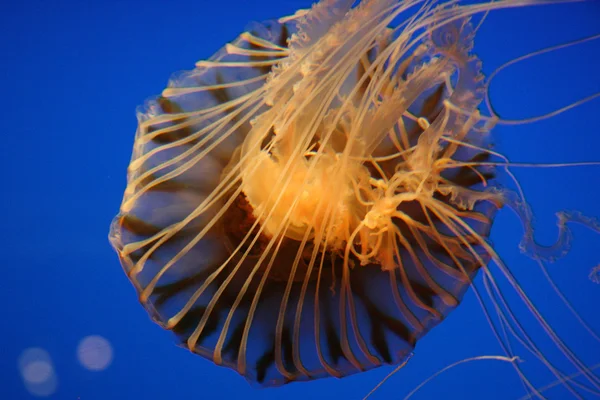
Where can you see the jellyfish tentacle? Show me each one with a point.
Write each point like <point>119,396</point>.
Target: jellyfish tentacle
<point>594,380</point>
<point>533,54</point>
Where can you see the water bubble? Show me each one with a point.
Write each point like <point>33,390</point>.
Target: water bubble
<point>95,353</point>
<point>37,372</point>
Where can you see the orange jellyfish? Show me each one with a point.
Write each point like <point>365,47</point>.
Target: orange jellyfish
<point>318,195</point>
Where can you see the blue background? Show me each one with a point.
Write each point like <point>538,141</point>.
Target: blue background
<point>72,73</point>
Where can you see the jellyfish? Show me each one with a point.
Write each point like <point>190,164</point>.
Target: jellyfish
<point>316,197</point>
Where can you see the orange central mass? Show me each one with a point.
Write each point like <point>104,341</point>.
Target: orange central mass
<point>300,198</point>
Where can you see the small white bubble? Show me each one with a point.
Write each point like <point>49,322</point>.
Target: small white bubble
<point>37,372</point>
<point>595,274</point>
<point>94,353</point>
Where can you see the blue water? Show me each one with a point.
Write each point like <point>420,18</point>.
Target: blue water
<point>71,76</point>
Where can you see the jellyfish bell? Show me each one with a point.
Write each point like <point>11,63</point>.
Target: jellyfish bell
<point>318,195</point>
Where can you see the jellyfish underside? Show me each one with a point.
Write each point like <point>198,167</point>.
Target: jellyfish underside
<point>313,199</point>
